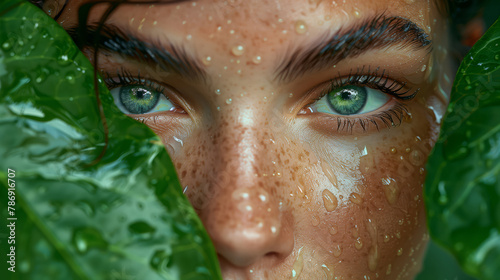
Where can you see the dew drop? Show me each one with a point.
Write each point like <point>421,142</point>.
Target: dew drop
<point>257,59</point>
<point>315,220</point>
<point>207,60</point>
<point>238,50</point>
<point>400,251</point>
<point>387,238</point>
<point>327,170</point>
<point>333,230</point>
<point>358,243</point>
<point>391,190</point>
<point>356,198</point>
<point>300,27</point>
<point>6,46</point>
<point>63,60</point>
<point>337,250</point>
<point>328,272</point>
<point>389,269</point>
<point>87,238</point>
<point>160,261</point>
<point>329,200</point>
<point>298,265</point>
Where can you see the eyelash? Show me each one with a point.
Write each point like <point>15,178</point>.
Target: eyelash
<point>125,78</point>
<point>376,81</point>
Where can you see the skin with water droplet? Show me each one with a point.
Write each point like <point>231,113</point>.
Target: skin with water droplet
<point>373,253</point>
<point>298,265</point>
<point>391,190</point>
<point>356,198</point>
<point>300,27</point>
<point>328,272</point>
<point>358,244</point>
<point>329,200</point>
<point>337,250</point>
<point>238,50</point>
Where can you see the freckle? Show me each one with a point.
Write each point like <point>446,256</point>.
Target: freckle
<point>300,27</point>
<point>393,150</point>
<point>400,251</point>
<point>329,200</point>
<point>356,198</point>
<point>358,243</point>
<point>337,250</point>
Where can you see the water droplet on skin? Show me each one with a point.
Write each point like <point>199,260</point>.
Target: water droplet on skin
<point>329,200</point>
<point>327,170</point>
<point>290,95</point>
<point>207,60</point>
<point>217,91</point>
<point>238,50</point>
<point>229,101</point>
<point>257,59</point>
<point>315,220</point>
<point>417,158</point>
<point>373,253</point>
<point>333,230</point>
<point>400,222</point>
<point>355,231</point>
<point>356,198</point>
<point>387,238</point>
<point>423,68</point>
<point>408,150</point>
<point>389,269</point>
<point>391,190</point>
<point>398,235</point>
<point>298,265</point>
<point>394,150</point>
<point>328,272</point>
<point>411,252</point>
<point>400,251</point>
<point>300,27</point>
<point>337,250</point>
<point>358,243</point>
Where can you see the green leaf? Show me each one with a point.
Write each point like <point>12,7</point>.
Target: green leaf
<point>125,216</point>
<point>463,182</point>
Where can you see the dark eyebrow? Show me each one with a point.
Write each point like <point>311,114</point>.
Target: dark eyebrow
<point>169,57</point>
<point>374,33</point>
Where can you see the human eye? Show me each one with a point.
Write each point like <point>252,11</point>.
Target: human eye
<point>137,96</point>
<point>371,99</point>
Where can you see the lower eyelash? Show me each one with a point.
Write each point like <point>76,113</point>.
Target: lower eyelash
<point>390,118</point>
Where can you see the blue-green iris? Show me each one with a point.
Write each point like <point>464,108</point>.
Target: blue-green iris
<point>347,100</point>
<point>137,99</point>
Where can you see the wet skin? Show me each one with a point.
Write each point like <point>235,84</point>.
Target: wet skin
<point>286,188</point>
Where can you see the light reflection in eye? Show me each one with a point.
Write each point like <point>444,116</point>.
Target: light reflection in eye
<point>350,100</point>
<point>139,99</point>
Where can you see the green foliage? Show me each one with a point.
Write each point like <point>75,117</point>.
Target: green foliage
<point>463,183</point>
<point>125,216</point>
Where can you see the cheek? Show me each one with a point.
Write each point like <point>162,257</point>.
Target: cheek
<point>367,212</point>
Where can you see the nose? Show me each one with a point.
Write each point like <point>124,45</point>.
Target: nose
<point>243,215</point>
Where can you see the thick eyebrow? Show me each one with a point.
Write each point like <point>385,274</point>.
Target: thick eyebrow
<point>374,33</point>
<point>169,58</point>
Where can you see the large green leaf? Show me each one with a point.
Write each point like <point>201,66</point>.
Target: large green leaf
<point>125,216</point>
<point>463,182</point>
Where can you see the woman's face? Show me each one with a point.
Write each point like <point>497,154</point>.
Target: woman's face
<point>299,129</point>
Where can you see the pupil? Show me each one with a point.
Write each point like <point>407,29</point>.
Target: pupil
<point>142,94</point>
<point>348,94</point>
<point>348,100</point>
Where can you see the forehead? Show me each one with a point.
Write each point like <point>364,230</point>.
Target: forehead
<point>252,22</point>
